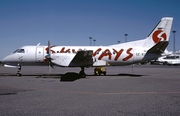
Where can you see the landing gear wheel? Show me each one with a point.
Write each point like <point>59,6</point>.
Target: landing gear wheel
<point>19,71</point>
<point>82,74</point>
<point>18,74</point>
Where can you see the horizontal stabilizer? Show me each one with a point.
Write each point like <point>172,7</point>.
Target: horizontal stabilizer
<point>159,47</point>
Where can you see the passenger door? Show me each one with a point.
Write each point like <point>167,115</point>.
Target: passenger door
<point>39,54</point>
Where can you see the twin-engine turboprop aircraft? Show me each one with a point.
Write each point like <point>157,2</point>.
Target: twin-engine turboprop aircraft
<point>94,56</point>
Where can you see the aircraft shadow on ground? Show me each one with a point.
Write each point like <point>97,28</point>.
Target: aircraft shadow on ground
<point>72,76</point>
<point>131,75</point>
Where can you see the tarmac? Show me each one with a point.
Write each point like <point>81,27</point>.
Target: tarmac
<point>146,90</point>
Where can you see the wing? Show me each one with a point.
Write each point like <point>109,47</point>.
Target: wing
<point>81,58</point>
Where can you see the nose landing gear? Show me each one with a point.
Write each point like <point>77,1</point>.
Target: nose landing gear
<point>19,71</point>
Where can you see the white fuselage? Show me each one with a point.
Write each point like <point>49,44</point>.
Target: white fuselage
<point>102,55</point>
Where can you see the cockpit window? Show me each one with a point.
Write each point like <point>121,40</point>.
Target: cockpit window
<point>15,51</point>
<point>19,51</point>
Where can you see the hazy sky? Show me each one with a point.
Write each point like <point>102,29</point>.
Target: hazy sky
<point>72,22</point>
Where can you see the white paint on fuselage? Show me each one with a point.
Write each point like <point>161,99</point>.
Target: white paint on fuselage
<point>35,55</point>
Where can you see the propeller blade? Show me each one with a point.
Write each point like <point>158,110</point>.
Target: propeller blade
<point>49,57</point>
<point>49,49</point>
<point>51,64</point>
<point>49,68</point>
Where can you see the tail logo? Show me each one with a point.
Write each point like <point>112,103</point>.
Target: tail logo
<point>159,35</point>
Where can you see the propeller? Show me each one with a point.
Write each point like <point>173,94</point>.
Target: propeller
<point>48,56</point>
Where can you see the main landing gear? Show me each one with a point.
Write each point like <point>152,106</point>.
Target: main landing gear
<point>82,73</point>
<point>19,71</point>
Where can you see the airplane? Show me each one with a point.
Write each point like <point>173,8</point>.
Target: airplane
<point>168,60</point>
<point>94,56</point>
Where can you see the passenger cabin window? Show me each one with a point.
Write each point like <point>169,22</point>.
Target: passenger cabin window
<point>19,51</point>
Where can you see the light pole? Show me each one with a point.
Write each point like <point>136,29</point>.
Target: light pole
<point>90,40</point>
<point>174,47</point>
<point>125,37</point>
<point>94,41</point>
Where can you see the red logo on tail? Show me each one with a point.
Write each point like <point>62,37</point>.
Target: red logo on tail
<point>159,35</point>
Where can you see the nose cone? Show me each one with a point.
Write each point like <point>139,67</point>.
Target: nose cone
<point>6,59</point>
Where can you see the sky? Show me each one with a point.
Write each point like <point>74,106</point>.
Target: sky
<point>72,22</point>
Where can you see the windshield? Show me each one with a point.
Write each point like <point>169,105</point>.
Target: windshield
<point>19,51</point>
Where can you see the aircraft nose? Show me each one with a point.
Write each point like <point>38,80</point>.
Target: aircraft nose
<point>6,59</point>
<point>3,60</point>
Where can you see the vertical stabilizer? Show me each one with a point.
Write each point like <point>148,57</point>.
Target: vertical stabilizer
<point>160,33</point>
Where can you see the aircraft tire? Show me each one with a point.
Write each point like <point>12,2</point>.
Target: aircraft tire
<point>18,74</point>
<point>82,74</point>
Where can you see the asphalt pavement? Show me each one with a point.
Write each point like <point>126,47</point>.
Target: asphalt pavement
<point>147,90</point>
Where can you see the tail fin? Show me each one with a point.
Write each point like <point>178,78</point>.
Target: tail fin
<point>160,33</point>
